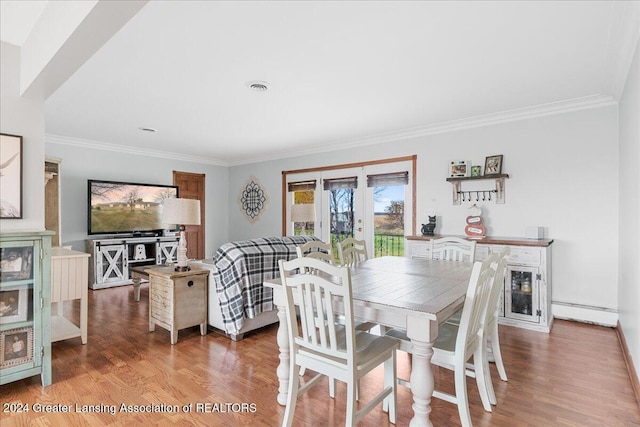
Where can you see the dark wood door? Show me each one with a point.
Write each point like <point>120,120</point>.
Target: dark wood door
<point>191,186</point>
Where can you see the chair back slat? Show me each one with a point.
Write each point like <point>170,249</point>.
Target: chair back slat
<point>498,285</point>
<point>453,249</point>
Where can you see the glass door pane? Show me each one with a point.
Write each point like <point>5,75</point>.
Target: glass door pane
<point>303,213</point>
<point>341,215</point>
<point>521,296</point>
<point>388,211</point>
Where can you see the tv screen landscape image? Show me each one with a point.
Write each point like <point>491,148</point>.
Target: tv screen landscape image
<point>125,207</point>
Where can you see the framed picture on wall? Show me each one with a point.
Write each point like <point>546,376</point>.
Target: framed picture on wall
<point>10,176</point>
<point>493,165</point>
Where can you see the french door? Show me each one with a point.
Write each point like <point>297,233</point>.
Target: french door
<point>371,202</point>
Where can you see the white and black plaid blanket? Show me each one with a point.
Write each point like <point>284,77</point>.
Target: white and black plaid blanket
<point>242,267</point>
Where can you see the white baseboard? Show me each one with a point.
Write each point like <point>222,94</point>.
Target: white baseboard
<point>584,313</point>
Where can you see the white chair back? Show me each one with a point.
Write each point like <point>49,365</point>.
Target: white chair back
<point>453,249</point>
<point>317,294</point>
<point>352,251</point>
<point>469,337</point>
<point>316,249</point>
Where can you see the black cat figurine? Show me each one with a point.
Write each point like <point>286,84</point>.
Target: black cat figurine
<point>427,229</point>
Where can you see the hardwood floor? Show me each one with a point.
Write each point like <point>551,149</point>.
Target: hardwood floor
<point>574,376</point>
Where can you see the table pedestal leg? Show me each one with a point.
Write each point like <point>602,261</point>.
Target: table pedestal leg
<point>283,367</point>
<point>422,383</point>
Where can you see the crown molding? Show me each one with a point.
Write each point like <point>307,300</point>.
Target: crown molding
<point>97,145</point>
<point>554,108</point>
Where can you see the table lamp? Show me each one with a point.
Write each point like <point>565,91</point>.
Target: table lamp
<point>181,212</point>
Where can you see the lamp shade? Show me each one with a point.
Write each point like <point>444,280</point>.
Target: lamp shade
<point>303,212</point>
<point>181,211</point>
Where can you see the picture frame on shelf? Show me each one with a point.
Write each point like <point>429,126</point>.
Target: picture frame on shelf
<point>16,263</point>
<point>10,176</point>
<point>460,168</point>
<point>16,346</point>
<point>14,304</point>
<point>476,170</point>
<point>493,165</point>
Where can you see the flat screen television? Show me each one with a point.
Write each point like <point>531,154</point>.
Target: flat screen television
<point>127,207</point>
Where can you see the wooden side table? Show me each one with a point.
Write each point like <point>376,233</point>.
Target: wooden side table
<point>69,274</point>
<point>177,300</point>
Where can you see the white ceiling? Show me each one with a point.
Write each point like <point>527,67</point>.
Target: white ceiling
<point>341,73</point>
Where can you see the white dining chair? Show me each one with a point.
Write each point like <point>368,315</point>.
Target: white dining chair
<point>452,249</point>
<point>323,251</point>
<point>456,346</point>
<point>490,327</point>
<point>316,249</point>
<point>321,344</point>
<point>351,251</point>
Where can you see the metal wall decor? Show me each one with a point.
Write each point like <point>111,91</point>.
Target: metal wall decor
<point>253,199</point>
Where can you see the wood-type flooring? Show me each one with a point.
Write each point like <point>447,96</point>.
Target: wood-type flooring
<point>125,375</point>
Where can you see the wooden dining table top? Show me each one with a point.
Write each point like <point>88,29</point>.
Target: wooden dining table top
<point>429,288</point>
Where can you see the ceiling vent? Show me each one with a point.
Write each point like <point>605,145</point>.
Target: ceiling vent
<point>258,86</point>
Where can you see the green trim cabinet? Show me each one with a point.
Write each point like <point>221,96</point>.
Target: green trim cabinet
<point>25,306</point>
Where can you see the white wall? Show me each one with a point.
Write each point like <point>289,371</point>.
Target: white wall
<point>80,164</point>
<point>24,117</point>
<point>629,233</point>
<point>563,176</point>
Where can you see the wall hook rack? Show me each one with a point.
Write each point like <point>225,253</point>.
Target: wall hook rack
<point>497,194</point>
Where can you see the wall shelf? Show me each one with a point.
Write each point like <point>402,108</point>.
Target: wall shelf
<point>496,193</point>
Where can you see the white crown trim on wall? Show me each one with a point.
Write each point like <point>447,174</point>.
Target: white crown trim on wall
<point>97,145</point>
<point>561,107</point>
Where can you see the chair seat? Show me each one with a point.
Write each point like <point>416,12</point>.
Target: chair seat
<point>455,318</point>
<point>369,348</point>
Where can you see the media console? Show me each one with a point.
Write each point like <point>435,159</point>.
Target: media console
<point>111,257</point>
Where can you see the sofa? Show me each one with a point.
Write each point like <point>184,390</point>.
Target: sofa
<point>238,302</point>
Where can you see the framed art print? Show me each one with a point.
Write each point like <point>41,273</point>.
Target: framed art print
<point>16,263</point>
<point>460,168</point>
<point>10,176</point>
<point>16,346</point>
<point>493,165</point>
<point>14,304</point>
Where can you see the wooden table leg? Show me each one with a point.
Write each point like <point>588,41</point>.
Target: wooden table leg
<point>84,309</point>
<point>422,333</point>
<point>136,286</point>
<point>283,367</point>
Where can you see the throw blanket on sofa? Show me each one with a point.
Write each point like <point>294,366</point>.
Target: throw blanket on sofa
<point>242,267</point>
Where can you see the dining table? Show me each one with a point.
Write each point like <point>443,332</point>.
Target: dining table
<point>411,294</point>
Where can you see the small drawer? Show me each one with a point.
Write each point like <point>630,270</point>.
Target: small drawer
<point>524,256</point>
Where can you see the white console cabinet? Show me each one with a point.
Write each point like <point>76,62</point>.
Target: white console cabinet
<point>112,256</point>
<point>526,298</point>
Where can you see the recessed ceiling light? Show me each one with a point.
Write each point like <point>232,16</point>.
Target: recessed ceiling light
<point>258,86</point>
<point>148,129</point>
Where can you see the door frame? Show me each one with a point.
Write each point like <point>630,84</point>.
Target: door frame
<point>412,159</point>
